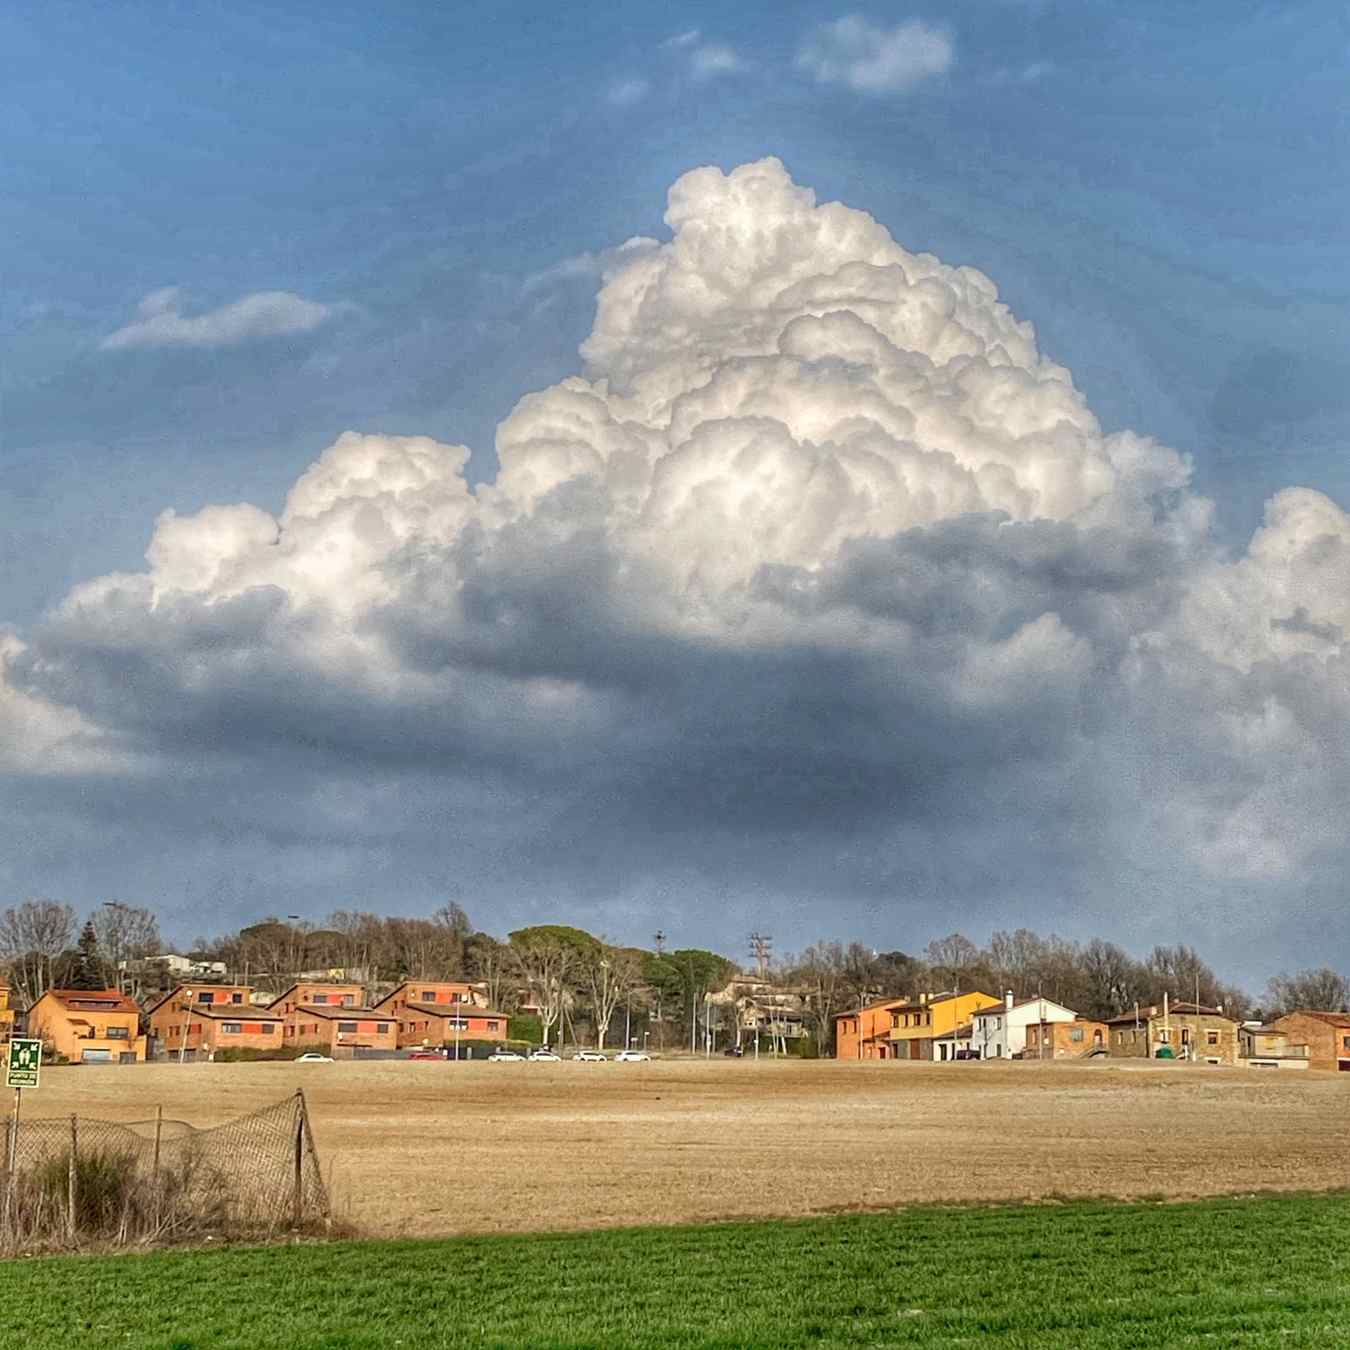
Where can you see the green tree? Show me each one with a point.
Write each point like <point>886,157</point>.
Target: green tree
<point>90,971</point>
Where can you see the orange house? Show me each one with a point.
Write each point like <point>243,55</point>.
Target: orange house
<point>212,1018</point>
<point>862,1033</point>
<point>429,992</point>
<point>335,1029</point>
<point>88,1026</point>
<point>6,1014</point>
<point>428,1024</point>
<point>307,995</point>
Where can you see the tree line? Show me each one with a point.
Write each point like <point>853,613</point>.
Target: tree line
<point>571,979</point>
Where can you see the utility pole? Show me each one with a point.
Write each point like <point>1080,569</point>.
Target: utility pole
<point>761,951</point>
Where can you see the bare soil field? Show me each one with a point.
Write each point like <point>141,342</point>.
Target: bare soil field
<point>425,1148</point>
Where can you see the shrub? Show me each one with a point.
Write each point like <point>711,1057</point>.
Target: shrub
<point>526,1028</point>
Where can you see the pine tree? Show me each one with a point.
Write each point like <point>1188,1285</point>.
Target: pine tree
<point>89,970</point>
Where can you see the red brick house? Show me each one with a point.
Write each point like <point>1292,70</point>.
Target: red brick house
<point>339,1029</point>
<point>1322,1038</point>
<point>211,1017</point>
<point>318,995</point>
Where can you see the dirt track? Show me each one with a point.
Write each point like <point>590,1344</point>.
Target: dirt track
<point>423,1147</point>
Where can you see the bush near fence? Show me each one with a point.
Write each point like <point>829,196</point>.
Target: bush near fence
<point>73,1181</point>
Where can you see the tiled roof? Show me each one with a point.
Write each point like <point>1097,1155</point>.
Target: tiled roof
<point>94,1000</point>
<point>454,1010</point>
<point>344,1013</point>
<point>1332,1019</point>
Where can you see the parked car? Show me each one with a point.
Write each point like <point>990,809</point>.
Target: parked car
<point>632,1057</point>
<point>313,1057</point>
<point>500,1056</point>
<point>546,1055</point>
<point>426,1054</point>
<point>591,1057</point>
<point>733,1052</point>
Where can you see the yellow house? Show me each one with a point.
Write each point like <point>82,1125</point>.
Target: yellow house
<point>916,1023</point>
<point>6,1014</point>
<point>88,1026</point>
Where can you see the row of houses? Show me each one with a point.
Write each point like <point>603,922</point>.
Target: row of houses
<point>199,1021</point>
<point>976,1025</point>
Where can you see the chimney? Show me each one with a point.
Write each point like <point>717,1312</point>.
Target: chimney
<point>1008,1000</point>
<point>923,998</point>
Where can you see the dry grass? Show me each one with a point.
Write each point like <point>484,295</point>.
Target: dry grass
<point>431,1148</point>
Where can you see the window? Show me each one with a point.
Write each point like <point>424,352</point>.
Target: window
<point>204,996</point>
<point>457,1023</point>
<point>492,1026</point>
<point>429,996</point>
<point>1185,1035</point>
<point>236,998</point>
<point>1163,1036</point>
<point>231,1028</point>
<point>346,1026</point>
<point>1075,1033</point>
<point>348,1000</point>
<point>320,998</point>
<point>267,1028</point>
<point>116,1034</point>
<point>1345,1042</point>
<point>1211,1038</point>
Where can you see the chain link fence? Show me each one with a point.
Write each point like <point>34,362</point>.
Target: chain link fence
<point>71,1179</point>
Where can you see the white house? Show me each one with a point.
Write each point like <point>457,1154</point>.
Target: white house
<point>1000,1032</point>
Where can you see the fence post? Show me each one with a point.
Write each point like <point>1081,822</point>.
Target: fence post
<point>70,1179</point>
<point>299,1199</point>
<point>159,1127</point>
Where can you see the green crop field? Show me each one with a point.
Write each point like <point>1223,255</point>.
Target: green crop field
<point>1253,1272</point>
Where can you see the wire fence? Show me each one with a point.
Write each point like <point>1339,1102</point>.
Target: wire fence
<point>71,1180</point>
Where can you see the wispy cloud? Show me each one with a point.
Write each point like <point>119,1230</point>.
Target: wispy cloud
<point>160,321</point>
<point>685,39</point>
<point>713,59</point>
<point>875,60</point>
<point>628,92</point>
<point>1028,74</point>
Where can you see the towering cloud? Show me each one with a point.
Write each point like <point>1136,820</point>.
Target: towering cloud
<point>821,580</point>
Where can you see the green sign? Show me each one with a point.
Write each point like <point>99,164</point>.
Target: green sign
<point>25,1060</point>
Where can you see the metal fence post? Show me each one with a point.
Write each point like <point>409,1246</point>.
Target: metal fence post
<point>70,1179</point>
<point>299,1199</point>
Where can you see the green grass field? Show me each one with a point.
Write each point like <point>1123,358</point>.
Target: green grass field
<point>1251,1272</point>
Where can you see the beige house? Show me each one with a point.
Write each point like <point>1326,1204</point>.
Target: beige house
<point>1186,1031</point>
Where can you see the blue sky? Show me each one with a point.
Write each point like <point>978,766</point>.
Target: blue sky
<point>1160,189</point>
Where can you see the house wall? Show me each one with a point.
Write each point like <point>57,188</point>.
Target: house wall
<point>1066,1040</point>
<point>59,1030</point>
<point>1327,1046</point>
<point>423,1028</point>
<point>913,1027</point>
<point>1002,1034</point>
<point>329,995</point>
<point>1214,1037</point>
<point>870,1024</point>
<point>329,1034</point>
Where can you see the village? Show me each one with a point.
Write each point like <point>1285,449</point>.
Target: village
<point>327,1017</point>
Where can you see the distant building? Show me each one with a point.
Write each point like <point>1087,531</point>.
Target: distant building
<point>954,1044</point>
<point>861,1033</point>
<point>906,1028</point>
<point>1175,1031</point>
<point>6,1014</point>
<point>764,1008</point>
<point>192,1020</point>
<point>432,1013</point>
<point>1067,1040</point>
<point>1320,1038</point>
<point>338,1029</point>
<point>317,994</point>
<point>1000,1030</point>
<point>88,1026</point>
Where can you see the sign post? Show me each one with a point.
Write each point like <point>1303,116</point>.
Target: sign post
<point>23,1065</point>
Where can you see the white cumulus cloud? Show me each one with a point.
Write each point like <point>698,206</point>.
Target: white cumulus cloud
<point>160,321</point>
<point>819,547</point>
<point>876,60</point>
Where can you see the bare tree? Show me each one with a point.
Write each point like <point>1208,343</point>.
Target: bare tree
<point>611,974</point>
<point>491,962</point>
<point>823,968</point>
<point>951,958</point>
<point>125,933</point>
<point>1321,990</point>
<point>32,936</point>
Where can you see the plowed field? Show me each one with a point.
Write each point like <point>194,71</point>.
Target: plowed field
<point>423,1148</point>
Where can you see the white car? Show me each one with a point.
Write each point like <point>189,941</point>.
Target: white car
<point>313,1057</point>
<point>632,1057</point>
<point>591,1057</point>
<point>501,1056</point>
<point>547,1055</point>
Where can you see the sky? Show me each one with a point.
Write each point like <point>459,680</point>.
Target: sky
<point>448,457</point>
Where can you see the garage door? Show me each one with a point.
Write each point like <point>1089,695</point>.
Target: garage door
<point>96,1056</point>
